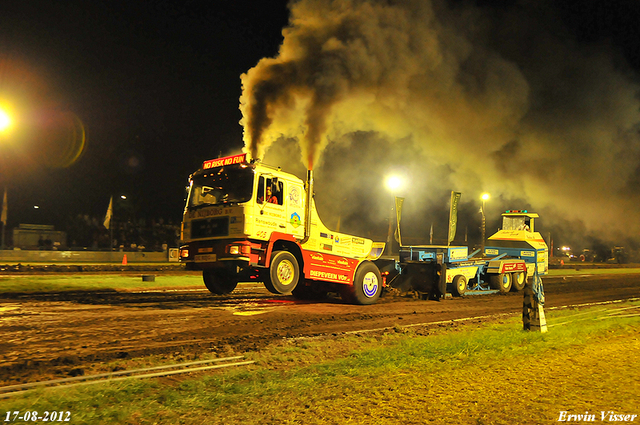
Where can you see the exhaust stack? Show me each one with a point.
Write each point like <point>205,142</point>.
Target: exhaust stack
<point>307,206</point>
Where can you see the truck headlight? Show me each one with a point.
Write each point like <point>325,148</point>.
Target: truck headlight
<point>239,249</point>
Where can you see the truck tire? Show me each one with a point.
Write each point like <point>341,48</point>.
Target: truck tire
<point>367,285</point>
<point>219,282</point>
<point>518,279</point>
<point>459,285</point>
<point>284,273</point>
<point>501,282</point>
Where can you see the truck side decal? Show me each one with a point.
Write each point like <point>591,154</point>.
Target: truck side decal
<point>329,267</point>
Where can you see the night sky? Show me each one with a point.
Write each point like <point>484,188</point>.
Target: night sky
<point>157,87</point>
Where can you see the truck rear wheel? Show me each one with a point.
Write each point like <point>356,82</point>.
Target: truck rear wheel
<point>518,279</point>
<point>459,285</point>
<point>219,282</point>
<point>501,282</point>
<point>367,285</point>
<point>284,273</point>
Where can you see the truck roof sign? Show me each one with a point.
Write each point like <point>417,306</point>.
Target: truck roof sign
<point>228,160</point>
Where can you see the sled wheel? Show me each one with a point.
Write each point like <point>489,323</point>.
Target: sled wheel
<point>284,273</point>
<point>518,279</point>
<point>501,282</point>
<point>459,285</point>
<point>219,282</point>
<point>367,285</point>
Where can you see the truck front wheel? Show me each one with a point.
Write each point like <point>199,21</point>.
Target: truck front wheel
<point>367,285</point>
<point>219,282</point>
<point>284,273</point>
<point>501,282</point>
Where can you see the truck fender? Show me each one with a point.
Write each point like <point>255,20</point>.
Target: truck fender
<point>377,249</point>
<point>283,242</point>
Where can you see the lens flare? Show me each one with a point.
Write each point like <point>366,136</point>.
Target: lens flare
<point>5,120</point>
<point>62,139</point>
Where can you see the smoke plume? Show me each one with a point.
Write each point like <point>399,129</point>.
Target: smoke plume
<point>457,97</point>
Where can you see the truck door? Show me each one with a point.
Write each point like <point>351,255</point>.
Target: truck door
<point>270,200</point>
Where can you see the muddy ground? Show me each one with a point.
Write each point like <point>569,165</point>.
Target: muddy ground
<point>57,335</point>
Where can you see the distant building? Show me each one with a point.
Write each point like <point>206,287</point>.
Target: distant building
<point>38,236</point>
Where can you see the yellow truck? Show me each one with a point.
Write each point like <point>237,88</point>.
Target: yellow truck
<point>246,221</point>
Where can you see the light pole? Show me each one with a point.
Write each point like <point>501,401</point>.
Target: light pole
<point>393,184</point>
<point>485,197</point>
<point>3,217</point>
<point>5,125</point>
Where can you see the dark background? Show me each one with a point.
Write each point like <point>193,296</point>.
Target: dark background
<point>156,85</point>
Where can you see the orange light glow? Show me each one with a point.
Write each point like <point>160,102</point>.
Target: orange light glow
<point>393,183</point>
<point>5,120</point>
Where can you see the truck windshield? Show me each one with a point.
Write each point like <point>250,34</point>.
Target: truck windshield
<point>223,185</point>
<point>515,223</point>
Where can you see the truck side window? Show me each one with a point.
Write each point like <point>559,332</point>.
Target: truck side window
<point>270,191</point>
<point>278,192</point>
<point>260,196</point>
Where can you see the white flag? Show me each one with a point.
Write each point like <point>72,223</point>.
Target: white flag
<point>107,218</point>
<point>3,217</point>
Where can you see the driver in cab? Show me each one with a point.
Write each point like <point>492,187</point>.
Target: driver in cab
<point>270,197</point>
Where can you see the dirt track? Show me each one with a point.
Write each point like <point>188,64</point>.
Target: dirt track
<point>47,336</point>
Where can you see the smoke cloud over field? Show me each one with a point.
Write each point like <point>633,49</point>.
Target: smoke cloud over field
<point>454,97</point>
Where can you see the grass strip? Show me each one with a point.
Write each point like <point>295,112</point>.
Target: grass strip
<point>488,373</point>
<point>78,282</point>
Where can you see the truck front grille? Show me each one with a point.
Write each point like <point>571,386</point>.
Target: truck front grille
<point>210,227</point>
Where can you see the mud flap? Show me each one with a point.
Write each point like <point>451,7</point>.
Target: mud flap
<point>442,282</point>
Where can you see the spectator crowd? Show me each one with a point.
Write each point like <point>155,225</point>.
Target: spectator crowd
<point>85,232</point>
